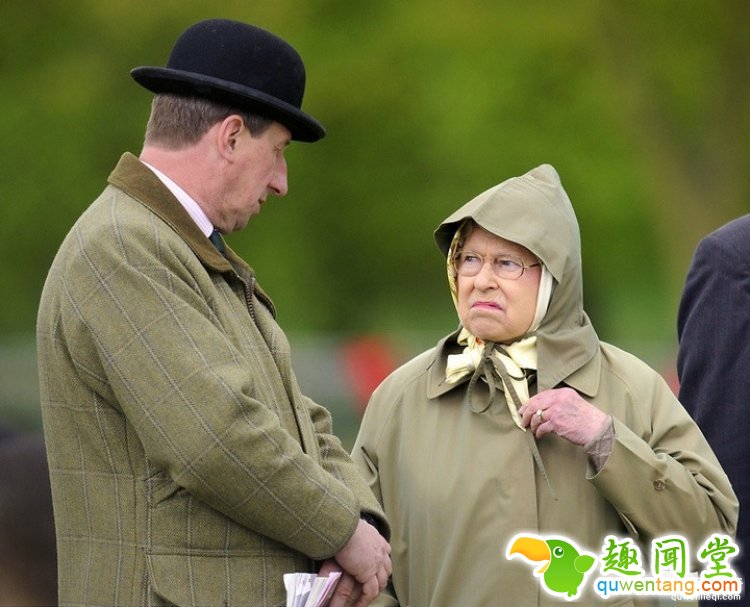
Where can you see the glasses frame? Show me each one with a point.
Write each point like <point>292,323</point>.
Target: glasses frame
<point>483,259</point>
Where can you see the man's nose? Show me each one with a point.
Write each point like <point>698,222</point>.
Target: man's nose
<point>279,185</point>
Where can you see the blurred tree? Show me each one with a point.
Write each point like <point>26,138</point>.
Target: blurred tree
<point>641,106</point>
<point>682,73</point>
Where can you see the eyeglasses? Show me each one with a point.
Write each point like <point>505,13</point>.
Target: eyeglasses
<point>468,264</point>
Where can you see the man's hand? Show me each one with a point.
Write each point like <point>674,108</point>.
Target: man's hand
<point>347,591</point>
<point>365,558</point>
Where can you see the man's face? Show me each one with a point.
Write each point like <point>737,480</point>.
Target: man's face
<point>259,171</point>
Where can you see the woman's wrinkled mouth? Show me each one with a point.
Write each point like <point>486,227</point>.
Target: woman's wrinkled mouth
<point>486,304</point>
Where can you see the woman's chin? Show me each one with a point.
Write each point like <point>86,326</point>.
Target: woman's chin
<point>489,332</point>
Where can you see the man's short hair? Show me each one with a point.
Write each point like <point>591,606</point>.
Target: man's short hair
<point>179,121</point>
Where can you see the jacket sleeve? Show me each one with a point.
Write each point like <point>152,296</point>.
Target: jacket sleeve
<point>713,360</point>
<point>339,463</point>
<point>662,476</point>
<point>166,363</point>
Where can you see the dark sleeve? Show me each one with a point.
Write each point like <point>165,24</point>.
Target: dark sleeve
<point>713,362</point>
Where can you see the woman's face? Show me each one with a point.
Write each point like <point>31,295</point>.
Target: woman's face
<point>491,307</point>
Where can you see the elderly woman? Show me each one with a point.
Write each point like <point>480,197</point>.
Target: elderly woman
<point>522,420</point>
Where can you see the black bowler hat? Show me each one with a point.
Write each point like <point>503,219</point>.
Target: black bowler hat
<point>241,65</point>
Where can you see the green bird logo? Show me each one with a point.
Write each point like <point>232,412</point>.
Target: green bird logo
<point>563,566</point>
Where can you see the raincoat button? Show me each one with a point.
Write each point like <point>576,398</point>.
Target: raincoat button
<point>659,485</point>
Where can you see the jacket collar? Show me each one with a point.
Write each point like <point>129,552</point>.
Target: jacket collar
<point>584,379</point>
<point>136,180</point>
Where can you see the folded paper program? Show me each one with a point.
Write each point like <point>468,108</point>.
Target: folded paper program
<point>308,589</point>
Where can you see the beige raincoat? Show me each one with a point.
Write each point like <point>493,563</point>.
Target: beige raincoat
<point>457,485</point>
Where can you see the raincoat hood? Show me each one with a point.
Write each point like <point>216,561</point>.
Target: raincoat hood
<point>534,210</point>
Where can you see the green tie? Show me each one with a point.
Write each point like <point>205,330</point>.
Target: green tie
<point>218,242</point>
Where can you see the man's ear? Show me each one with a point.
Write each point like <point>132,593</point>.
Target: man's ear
<point>228,133</point>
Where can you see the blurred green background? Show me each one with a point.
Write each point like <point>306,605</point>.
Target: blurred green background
<point>642,106</point>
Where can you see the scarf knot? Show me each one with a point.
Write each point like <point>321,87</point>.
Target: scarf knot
<point>486,360</point>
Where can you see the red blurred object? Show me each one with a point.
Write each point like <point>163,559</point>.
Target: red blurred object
<point>367,361</point>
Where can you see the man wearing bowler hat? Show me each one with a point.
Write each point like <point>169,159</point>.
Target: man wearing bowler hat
<point>186,465</point>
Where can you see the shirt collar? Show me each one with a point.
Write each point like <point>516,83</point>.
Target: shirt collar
<point>190,205</point>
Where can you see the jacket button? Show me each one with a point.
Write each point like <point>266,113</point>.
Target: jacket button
<point>659,485</point>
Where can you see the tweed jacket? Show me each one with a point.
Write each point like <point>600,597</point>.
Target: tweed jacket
<point>186,465</point>
<point>713,360</point>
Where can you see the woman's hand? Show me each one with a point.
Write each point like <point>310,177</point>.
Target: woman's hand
<point>565,413</point>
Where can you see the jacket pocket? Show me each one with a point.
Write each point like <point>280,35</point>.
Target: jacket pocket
<point>225,580</point>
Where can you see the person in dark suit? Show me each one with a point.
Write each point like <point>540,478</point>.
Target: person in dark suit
<point>713,361</point>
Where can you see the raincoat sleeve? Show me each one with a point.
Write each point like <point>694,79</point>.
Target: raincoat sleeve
<point>365,456</point>
<point>661,476</point>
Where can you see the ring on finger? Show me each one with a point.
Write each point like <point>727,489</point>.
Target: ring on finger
<point>539,415</point>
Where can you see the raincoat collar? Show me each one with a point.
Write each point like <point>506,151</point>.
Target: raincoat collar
<point>585,379</point>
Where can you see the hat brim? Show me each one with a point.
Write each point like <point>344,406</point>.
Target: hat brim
<point>166,80</point>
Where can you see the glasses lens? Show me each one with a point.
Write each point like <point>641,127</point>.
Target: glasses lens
<point>468,263</point>
<point>507,267</point>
